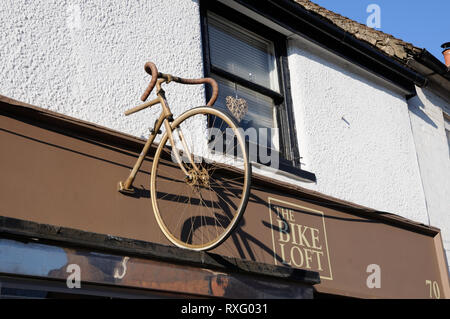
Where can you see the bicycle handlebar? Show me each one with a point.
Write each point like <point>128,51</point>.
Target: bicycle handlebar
<point>151,69</point>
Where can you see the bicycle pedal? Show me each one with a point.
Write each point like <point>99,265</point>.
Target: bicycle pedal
<point>126,191</point>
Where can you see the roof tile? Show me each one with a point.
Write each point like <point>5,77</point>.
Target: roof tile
<point>384,42</point>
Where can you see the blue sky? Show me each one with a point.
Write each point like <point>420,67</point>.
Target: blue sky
<point>426,24</point>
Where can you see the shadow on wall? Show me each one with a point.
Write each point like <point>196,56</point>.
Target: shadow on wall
<point>416,106</point>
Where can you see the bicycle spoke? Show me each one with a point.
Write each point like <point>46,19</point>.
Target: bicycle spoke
<point>199,207</point>
<point>215,219</point>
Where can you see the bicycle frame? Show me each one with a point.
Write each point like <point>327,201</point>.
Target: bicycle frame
<point>165,119</point>
<point>194,181</point>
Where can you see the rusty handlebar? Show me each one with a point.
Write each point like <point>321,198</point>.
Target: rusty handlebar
<point>151,69</point>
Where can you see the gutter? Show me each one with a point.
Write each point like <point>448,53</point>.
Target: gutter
<point>433,63</point>
<point>294,9</point>
<point>422,70</point>
<point>437,73</point>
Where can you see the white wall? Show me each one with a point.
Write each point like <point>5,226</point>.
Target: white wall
<point>428,126</point>
<point>354,134</point>
<point>86,58</point>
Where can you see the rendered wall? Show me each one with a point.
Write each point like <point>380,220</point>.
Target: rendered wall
<point>86,58</point>
<point>354,134</point>
<point>428,126</point>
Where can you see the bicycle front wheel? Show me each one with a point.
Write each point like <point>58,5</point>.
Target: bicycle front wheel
<point>201,184</point>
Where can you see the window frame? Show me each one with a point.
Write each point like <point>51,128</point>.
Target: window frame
<point>288,143</point>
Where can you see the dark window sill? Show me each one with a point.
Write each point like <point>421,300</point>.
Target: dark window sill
<point>262,157</point>
<point>285,168</point>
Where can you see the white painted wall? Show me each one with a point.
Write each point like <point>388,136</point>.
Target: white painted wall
<point>427,121</point>
<point>354,134</point>
<point>86,58</point>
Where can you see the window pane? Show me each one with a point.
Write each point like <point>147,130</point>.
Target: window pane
<point>260,109</point>
<point>242,53</point>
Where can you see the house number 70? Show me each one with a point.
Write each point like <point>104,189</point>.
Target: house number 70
<point>434,289</point>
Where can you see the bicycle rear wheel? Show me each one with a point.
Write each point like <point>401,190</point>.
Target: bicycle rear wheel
<point>199,210</point>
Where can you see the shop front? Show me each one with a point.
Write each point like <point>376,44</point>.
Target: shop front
<point>62,217</point>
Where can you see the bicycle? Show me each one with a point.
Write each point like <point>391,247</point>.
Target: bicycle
<point>197,200</point>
